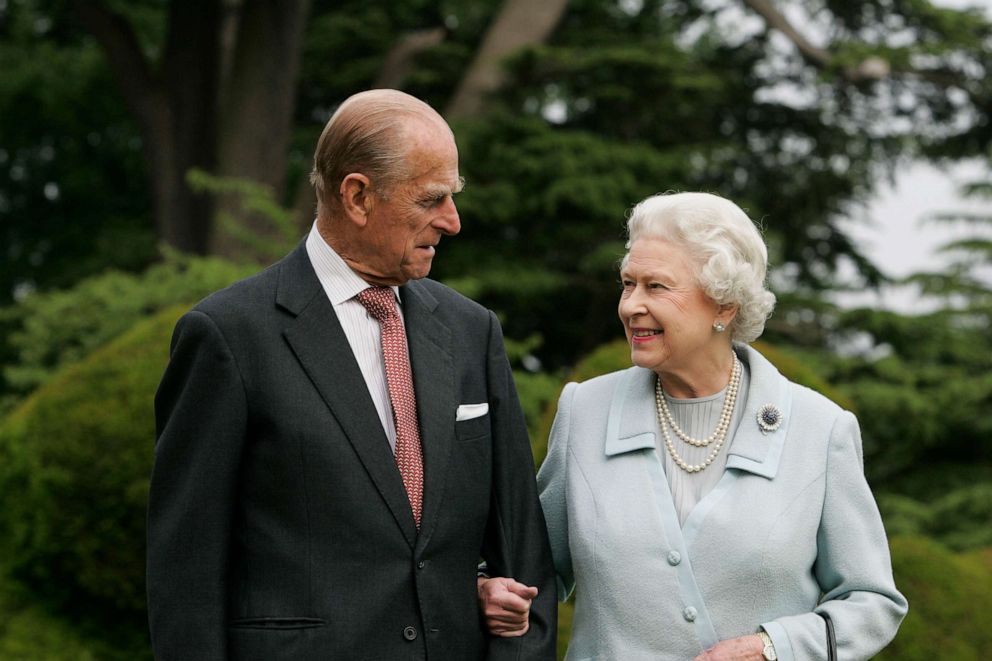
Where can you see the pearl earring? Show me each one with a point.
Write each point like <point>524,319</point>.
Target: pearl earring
<point>719,327</point>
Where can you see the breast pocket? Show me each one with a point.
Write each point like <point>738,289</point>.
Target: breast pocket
<point>473,428</point>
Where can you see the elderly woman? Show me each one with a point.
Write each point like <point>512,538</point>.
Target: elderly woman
<point>705,506</point>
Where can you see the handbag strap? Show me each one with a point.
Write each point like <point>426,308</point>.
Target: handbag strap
<point>831,637</point>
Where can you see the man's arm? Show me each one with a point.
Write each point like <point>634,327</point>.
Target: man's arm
<point>200,413</point>
<point>505,605</point>
<point>516,542</point>
<point>500,606</point>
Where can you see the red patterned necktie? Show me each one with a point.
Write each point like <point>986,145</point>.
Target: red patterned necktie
<point>381,304</point>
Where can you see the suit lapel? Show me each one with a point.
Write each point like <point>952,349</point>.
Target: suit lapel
<point>434,382</point>
<point>319,343</point>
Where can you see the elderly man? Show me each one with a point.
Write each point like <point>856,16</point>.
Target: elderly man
<point>339,440</point>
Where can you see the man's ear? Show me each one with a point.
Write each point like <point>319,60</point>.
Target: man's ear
<point>356,198</point>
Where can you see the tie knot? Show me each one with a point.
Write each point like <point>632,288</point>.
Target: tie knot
<point>380,302</point>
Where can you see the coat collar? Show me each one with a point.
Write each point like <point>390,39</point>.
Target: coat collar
<point>319,343</point>
<point>297,282</point>
<point>633,421</point>
<point>433,369</point>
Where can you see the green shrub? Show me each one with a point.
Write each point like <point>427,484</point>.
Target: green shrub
<point>75,459</point>
<point>31,632</point>
<point>958,519</point>
<point>537,390</point>
<point>949,598</point>
<point>49,330</point>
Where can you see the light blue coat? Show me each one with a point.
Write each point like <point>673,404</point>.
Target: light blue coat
<point>791,518</point>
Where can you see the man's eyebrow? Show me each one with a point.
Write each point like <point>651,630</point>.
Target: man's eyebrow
<point>440,190</point>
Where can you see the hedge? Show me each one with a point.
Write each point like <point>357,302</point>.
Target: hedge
<point>75,459</point>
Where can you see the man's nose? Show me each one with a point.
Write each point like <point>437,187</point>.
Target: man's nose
<point>447,221</point>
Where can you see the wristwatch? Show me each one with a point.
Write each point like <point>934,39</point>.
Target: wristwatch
<point>769,650</point>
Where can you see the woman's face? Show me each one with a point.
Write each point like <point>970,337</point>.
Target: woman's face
<point>666,316</point>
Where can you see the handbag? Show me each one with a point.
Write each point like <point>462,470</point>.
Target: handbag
<point>831,637</point>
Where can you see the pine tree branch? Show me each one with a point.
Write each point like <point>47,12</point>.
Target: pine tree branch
<point>872,68</point>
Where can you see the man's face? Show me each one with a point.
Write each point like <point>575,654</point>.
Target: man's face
<point>404,227</point>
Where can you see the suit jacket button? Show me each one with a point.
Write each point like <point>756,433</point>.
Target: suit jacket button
<point>689,613</point>
<point>409,633</point>
<point>674,558</point>
<point>421,564</point>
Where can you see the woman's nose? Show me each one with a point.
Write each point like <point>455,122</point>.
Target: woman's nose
<point>631,303</point>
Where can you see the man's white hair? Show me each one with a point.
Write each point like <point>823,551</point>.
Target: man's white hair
<point>370,133</point>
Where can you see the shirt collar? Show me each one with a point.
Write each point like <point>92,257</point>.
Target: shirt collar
<point>339,281</point>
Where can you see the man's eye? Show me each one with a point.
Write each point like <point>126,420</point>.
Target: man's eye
<point>657,285</point>
<point>627,284</point>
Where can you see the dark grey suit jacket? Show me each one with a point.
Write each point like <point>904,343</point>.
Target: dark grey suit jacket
<point>278,525</point>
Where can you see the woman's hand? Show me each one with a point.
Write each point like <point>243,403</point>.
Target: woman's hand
<point>505,605</point>
<point>745,648</point>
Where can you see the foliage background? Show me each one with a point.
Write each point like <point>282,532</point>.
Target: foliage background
<point>615,101</point>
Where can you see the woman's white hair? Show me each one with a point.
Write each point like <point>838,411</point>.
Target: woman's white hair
<point>723,243</point>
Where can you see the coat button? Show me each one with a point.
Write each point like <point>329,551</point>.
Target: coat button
<point>421,564</point>
<point>689,614</point>
<point>674,558</point>
<point>409,633</point>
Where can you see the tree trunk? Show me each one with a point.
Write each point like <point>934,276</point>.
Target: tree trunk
<point>520,23</point>
<point>400,58</point>
<point>176,107</point>
<point>190,78</point>
<point>259,97</point>
<point>191,116</point>
<point>181,217</point>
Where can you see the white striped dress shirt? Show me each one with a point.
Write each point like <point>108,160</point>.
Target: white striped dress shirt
<point>341,285</point>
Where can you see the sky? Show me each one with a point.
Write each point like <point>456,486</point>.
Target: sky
<point>899,238</point>
<point>902,237</point>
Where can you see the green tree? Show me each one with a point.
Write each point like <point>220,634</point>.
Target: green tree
<point>71,189</point>
<point>219,94</point>
<point>638,96</point>
<point>625,100</point>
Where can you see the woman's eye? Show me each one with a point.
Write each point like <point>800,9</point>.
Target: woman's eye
<point>657,285</point>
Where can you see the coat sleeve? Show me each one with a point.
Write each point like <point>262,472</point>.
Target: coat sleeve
<point>852,567</point>
<point>516,540</point>
<point>200,412</point>
<point>552,486</point>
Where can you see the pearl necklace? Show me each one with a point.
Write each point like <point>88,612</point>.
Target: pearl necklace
<point>719,434</point>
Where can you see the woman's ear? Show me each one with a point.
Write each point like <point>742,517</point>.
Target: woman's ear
<point>356,198</point>
<point>725,313</point>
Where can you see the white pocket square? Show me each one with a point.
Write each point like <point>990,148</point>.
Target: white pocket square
<point>469,411</point>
